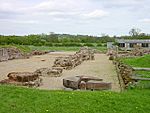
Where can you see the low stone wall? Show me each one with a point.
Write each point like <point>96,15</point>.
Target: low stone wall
<point>11,53</point>
<point>14,53</point>
<point>72,61</point>
<point>125,74</point>
<point>23,79</point>
<point>36,52</point>
<point>48,72</point>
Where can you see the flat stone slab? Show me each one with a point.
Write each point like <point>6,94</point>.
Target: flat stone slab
<point>86,82</point>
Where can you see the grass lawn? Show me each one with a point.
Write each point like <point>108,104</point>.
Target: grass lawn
<point>103,49</point>
<point>143,61</point>
<point>46,48</point>
<point>24,100</point>
<point>145,74</point>
<point>29,48</point>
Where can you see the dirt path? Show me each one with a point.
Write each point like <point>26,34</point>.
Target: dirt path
<point>100,67</point>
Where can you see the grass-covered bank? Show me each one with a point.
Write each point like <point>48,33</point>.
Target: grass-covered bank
<point>23,100</point>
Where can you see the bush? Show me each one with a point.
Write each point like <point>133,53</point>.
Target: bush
<point>72,44</point>
<point>57,44</point>
<point>48,44</point>
<point>105,45</point>
<point>99,44</point>
<point>37,44</point>
<point>88,44</point>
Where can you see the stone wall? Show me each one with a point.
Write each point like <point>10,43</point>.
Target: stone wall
<point>125,74</point>
<point>10,53</point>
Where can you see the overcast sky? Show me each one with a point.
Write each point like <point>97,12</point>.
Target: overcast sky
<point>92,17</point>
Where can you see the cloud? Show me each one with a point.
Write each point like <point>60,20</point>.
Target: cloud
<point>67,10</point>
<point>83,15</point>
<point>56,5</point>
<point>146,20</point>
<point>96,14</point>
<point>19,21</point>
<point>123,3</point>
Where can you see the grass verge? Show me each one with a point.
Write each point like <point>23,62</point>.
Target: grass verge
<point>23,100</point>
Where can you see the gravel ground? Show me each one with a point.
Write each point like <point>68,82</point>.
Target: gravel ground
<point>100,67</point>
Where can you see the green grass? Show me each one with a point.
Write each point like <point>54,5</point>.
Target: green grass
<point>103,49</point>
<point>143,84</point>
<point>27,49</point>
<point>143,61</point>
<point>23,48</point>
<point>145,74</point>
<point>46,48</point>
<point>23,100</point>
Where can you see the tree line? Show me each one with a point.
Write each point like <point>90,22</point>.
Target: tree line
<point>54,39</point>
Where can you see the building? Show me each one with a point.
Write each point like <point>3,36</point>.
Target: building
<point>129,44</point>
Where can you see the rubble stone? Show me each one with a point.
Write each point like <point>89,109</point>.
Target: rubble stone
<point>72,61</point>
<point>11,53</point>
<point>23,78</point>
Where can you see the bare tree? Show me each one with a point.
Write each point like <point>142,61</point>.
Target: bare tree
<point>134,32</point>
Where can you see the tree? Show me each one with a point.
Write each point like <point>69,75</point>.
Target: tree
<point>134,32</point>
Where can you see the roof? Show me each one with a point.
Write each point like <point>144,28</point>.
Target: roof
<point>132,41</point>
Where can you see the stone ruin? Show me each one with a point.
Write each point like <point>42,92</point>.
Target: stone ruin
<point>15,53</point>
<point>86,83</point>
<point>23,79</point>
<point>33,78</point>
<point>11,53</point>
<point>125,74</point>
<point>72,61</point>
<point>48,72</point>
<point>37,52</point>
<point>67,63</point>
<point>136,51</point>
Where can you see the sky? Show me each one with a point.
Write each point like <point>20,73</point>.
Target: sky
<point>89,17</point>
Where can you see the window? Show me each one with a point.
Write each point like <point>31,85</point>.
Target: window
<point>121,44</point>
<point>144,44</point>
<point>132,44</point>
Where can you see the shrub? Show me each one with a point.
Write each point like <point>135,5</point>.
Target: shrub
<point>72,44</point>
<point>37,44</point>
<point>48,44</point>
<point>88,44</point>
<point>105,45</point>
<point>99,44</point>
<point>57,44</point>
